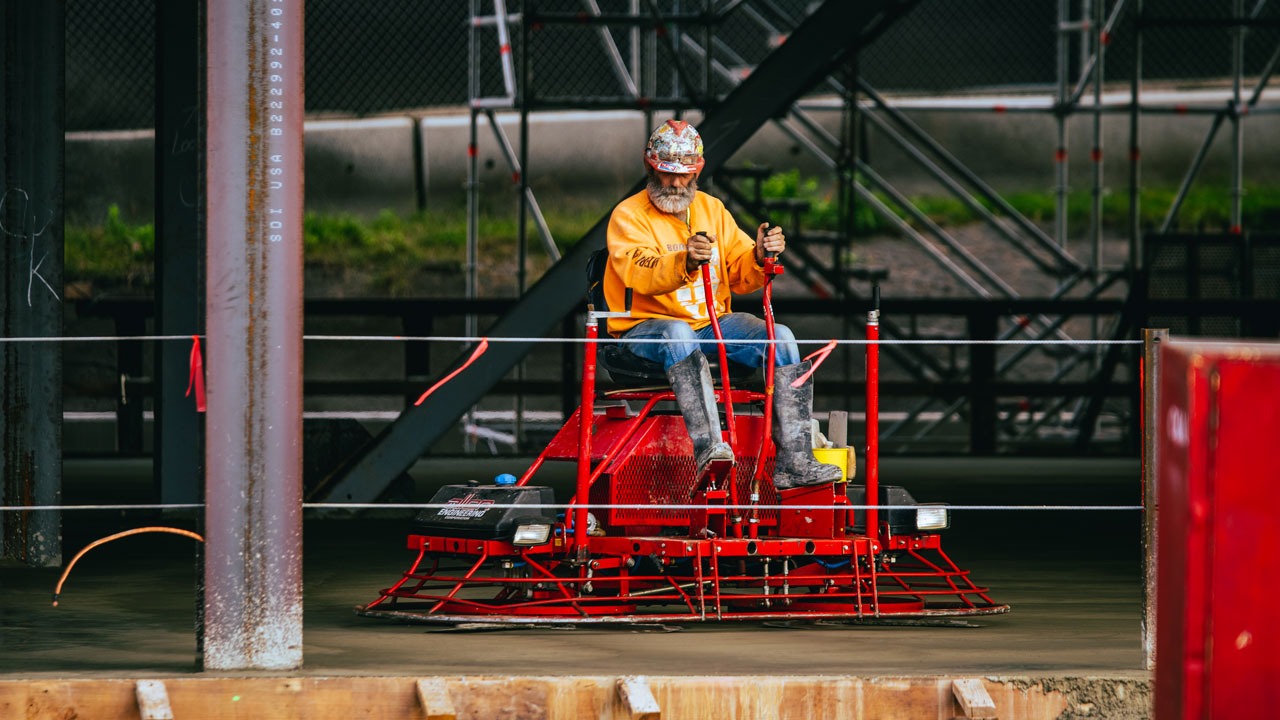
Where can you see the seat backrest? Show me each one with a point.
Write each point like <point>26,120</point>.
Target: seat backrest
<point>595,278</point>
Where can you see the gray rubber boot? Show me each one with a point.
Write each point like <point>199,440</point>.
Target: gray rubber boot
<point>691,381</point>
<point>794,465</point>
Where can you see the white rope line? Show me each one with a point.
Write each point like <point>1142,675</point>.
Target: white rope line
<point>593,506</point>
<point>142,506</point>
<point>94,338</point>
<point>595,341</point>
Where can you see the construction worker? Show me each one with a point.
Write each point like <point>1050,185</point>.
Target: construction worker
<point>657,240</point>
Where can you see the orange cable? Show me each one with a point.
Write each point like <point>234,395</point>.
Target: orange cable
<point>175,531</point>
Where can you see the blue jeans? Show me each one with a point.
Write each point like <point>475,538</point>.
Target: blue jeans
<point>682,340</point>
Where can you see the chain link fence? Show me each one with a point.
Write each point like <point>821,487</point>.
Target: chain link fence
<point>383,56</point>
<point>110,64</point>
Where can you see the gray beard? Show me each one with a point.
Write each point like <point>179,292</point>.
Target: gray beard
<point>671,200</point>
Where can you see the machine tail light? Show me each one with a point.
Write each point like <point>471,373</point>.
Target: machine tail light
<point>932,517</point>
<point>535,534</point>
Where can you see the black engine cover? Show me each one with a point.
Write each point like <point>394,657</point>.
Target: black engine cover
<point>468,514</point>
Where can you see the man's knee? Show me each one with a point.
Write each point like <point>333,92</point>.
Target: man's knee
<point>788,352</point>
<point>677,330</point>
<point>679,340</point>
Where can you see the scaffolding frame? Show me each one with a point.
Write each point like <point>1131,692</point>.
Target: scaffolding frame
<point>1087,25</point>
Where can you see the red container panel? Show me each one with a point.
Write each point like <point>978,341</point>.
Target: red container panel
<point>1218,552</point>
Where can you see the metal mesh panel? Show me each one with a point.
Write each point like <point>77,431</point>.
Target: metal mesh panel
<point>1264,264</point>
<point>1167,265</point>
<point>668,480</point>
<point>654,479</point>
<point>1192,267</point>
<point>385,55</point>
<point>943,45</point>
<point>390,55</point>
<point>110,64</point>
<point>1219,270</point>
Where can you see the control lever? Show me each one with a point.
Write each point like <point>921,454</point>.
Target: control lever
<point>769,254</point>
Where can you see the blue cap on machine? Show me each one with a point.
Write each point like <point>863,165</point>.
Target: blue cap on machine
<point>505,479</point>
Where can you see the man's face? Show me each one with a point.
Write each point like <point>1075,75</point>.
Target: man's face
<point>674,179</point>
<point>671,192</point>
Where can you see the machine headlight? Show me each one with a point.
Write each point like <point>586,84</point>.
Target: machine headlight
<point>932,518</point>
<point>536,534</point>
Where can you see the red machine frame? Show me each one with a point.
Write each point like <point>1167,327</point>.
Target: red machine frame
<point>779,555</point>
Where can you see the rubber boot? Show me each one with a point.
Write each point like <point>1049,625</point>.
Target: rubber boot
<point>794,465</point>
<point>691,381</point>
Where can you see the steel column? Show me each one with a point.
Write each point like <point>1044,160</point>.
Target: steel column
<point>473,177</point>
<point>31,124</point>
<point>1150,380</point>
<point>1060,115</point>
<point>253,573</point>
<point>1095,221</point>
<point>1237,119</point>
<point>1135,154</point>
<point>982,400</point>
<point>179,244</point>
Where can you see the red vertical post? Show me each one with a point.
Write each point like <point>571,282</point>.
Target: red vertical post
<point>724,358</point>
<point>873,419</point>
<point>586,415</point>
<point>726,393</point>
<point>771,268</point>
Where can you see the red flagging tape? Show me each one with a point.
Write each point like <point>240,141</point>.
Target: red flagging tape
<point>1060,155</point>
<point>484,345</point>
<point>196,378</point>
<point>818,356</point>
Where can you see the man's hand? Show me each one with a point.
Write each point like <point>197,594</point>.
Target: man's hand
<point>774,242</point>
<point>698,251</point>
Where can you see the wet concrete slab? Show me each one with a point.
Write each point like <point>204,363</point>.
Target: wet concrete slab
<point>1072,579</point>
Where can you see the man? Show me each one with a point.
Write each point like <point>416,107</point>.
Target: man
<point>656,249</point>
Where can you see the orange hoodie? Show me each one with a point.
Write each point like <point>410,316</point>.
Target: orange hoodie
<point>647,254</point>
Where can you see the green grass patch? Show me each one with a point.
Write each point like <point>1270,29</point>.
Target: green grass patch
<point>115,252</point>
<point>393,253</point>
<point>390,250</point>
<point>1207,209</point>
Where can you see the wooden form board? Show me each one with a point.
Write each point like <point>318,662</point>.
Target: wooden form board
<point>339,698</point>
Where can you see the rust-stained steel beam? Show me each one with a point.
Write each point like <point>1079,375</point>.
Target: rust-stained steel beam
<point>1150,378</point>
<point>31,125</point>
<point>253,309</point>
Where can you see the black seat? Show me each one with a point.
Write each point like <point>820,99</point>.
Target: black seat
<point>625,367</point>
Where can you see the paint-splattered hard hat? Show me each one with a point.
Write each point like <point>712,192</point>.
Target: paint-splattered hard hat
<point>675,147</point>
